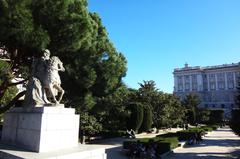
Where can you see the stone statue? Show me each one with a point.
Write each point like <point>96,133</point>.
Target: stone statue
<point>52,80</point>
<point>45,82</point>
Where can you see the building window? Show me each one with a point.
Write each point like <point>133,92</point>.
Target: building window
<point>230,80</point>
<point>223,105</point>
<point>194,82</point>
<point>187,82</point>
<point>212,81</point>
<point>212,86</point>
<point>205,82</point>
<point>221,80</point>
<point>180,83</point>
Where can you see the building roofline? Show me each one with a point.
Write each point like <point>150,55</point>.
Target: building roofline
<point>207,67</point>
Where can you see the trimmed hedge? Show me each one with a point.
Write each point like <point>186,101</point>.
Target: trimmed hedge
<point>163,144</point>
<point>169,141</point>
<point>184,135</point>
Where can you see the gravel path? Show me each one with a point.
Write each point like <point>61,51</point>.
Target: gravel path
<point>219,144</point>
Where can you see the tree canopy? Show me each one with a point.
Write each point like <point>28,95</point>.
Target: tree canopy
<point>94,68</point>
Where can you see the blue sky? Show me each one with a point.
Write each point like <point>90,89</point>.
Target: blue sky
<point>157,36</point>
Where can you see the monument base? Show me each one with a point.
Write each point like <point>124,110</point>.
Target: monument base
<point>41,129</point>
<point>80,152</point>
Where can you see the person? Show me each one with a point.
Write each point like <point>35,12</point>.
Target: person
<point>132,134</point>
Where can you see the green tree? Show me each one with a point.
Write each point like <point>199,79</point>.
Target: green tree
<point>94,69</point>
<point>203,116</point>
<point>235,115</point>
<point>11,91</point>
<point>147,119</point>
<point>191,103</point>
<point>169,106</point>
<point>162,105</point>
<point>235,121</point>
<point>216,116</point>
<point>136,117</point>
<point>112,110</point>
<point>89,124</point>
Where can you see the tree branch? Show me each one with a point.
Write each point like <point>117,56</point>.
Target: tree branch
<point>12,102</point>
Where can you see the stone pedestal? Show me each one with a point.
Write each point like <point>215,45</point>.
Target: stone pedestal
<point>41,129</point>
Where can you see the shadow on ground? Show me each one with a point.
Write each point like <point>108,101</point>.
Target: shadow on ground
<point>232,155</point>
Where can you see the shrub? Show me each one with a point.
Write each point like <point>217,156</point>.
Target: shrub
<point>147,119</point>
<point>186,134</point>
<point>216,116</point>
<point>164,144</point>
<point>136,117</point>
<point>235,121</point>
<point>214,127</point>
<point>128,143</point>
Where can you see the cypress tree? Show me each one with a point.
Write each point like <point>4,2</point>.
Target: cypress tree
<point>147,119</point>
<point>136,118</point>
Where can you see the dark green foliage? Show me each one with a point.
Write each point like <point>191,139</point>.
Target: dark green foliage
<point>235,121</point>
<point>235,117</point>
<point>5,75</point>
<point>203,116</point>
<point>111,110</point>
<point>216,117</point>
<point>164,144</point>
<point>191,103</point>
<point>94,68</point>
<point>164,106</point>
<point>147,119</point>
<point>89,124</point>
<point>237,98</point>
<point>184,135</point>
<point>136,118</point>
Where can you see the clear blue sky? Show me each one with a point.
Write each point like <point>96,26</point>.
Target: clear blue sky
<point>157,36</point>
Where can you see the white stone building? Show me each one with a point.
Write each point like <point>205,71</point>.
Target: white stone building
<point>215,85</point>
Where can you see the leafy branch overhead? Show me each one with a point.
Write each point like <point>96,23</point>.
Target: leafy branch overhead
<point>94,68</point>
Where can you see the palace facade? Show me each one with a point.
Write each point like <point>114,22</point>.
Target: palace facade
<point>215,85</point>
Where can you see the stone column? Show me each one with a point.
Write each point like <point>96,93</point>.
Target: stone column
<point>199,82</point>
<point>175,84</point>
<point>208,82</point>
<point>234,80</point>
<point>190,78</point>
<point>216,81</point>
<point>226,81</point>
<point>183,80</point>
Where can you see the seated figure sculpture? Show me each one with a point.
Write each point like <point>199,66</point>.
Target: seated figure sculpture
<point>45,82</point>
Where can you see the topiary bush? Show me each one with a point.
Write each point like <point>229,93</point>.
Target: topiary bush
<point>136,118</point>
<point>216,117</point>
<point>147,119</point>
<point>235,121</point>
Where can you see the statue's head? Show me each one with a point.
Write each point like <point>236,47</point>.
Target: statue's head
<point>46,54</point>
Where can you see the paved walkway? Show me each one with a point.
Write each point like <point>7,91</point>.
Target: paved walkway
<point>114,146</point>
<point>220,144</point>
